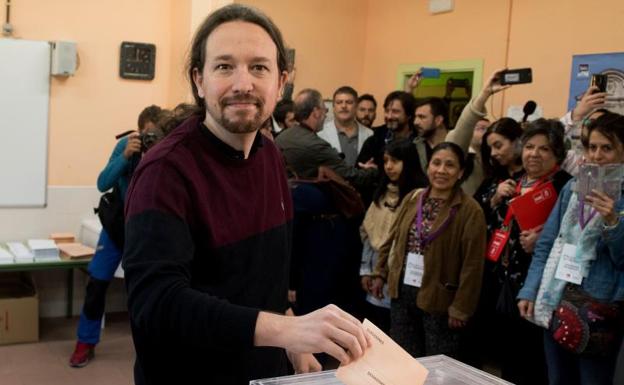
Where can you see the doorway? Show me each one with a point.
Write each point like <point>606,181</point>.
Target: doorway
<point>459,80</point>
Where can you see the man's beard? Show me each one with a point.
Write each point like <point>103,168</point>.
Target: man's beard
<point>426,133</point>
<point>395,125</point>
<point>365,121</point>
<point>242,125</point>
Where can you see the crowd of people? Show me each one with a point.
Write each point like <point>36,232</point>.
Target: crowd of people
<point>433,232</point>
<point>447,267</point>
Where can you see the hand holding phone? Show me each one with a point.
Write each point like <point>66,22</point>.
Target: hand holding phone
<point>600,81</point>
<point>430,73</point>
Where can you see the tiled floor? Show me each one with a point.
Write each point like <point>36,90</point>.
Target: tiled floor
<point>46,362</point>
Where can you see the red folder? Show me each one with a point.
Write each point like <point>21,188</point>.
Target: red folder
<point>533,208</point>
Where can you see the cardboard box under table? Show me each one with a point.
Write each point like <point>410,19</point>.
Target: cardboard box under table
<point>19,308</point>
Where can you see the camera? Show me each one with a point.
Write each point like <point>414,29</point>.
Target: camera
<point>148,139</point>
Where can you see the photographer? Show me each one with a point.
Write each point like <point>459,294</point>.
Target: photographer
<point>116,175</point>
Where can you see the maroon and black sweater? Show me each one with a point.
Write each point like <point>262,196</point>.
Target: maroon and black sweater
<point>208,241</point>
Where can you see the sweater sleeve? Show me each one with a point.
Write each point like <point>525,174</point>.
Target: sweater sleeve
<point>115,167</point>
<point>613,238</point>
<point>462,133</point>
<point>158,259</point>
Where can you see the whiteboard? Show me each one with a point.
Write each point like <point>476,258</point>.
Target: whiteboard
<point>24,104</point>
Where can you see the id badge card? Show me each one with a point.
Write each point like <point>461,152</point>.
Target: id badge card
<point>497,244</point>
<point>569,269</point>
<point>414,269</point>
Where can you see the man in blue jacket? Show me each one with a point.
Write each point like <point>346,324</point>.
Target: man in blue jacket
<point>116,174</point>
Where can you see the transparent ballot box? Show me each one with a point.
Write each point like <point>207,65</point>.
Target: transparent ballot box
<point>443,370</point>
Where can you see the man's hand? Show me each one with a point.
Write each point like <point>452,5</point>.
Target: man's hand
<point>304,363</point>
<point>591,100</point>
<point>367,283</point>
<point>328,330</point>
<point>413,82</point>
<point>369,164</point>
<point>526,308</point>
<point>377,288</point>
<point>133,146</point>
<point>456,323</point>
<point>292,296</point>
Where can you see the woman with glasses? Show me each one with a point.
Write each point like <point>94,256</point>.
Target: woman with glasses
<point>583,308</point>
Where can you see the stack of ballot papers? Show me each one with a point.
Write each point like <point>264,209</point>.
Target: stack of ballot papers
<point>6,256</point>
<point>44,250</point>
<point>20,252</point>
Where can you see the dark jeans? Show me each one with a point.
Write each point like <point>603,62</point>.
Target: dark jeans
<point>568,368</point>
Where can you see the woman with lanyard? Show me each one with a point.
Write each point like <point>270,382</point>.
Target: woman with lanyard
<point>584,311</point>
<point>433,260</point>
<point>518,344</point>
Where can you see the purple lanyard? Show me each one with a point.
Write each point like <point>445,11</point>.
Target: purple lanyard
<point>419,222</point>
<point>582,220</point>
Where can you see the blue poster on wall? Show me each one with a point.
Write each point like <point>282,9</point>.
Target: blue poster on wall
<point>610,64</point>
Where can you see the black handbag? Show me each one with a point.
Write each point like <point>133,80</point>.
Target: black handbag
<point>111,213</point>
